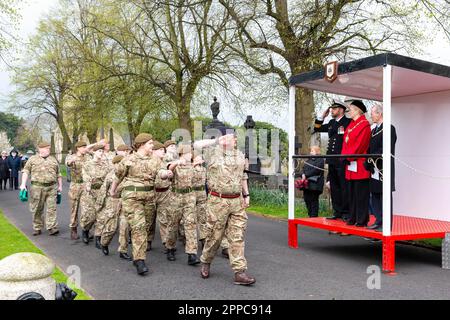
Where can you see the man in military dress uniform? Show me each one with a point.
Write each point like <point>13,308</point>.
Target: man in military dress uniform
<point>75,162</point>
<point>228,198</point>
<point>336,170</point>
<point>46,180</point>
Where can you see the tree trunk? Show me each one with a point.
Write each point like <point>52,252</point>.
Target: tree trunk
<point>184,116</point>
<point>304,103</point>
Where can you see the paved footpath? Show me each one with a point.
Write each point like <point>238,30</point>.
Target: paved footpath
<point>324,267</point>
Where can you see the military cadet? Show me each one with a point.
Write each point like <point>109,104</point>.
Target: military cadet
<point>227,200</point>
<point>137,172</point>
<point>183,173</point>
<point>44,174</point>
<point>75,162</point>
<point>123,150</point>
<point>198,187</point>
<point>336,170</point>
<point>110,208</point>
<point>164,198</point>
<point>94,174</point>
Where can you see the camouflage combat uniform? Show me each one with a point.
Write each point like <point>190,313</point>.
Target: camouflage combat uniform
<point>225,216</point>
<point>94,174</point>
<point>138,173</point>
<point>198,185</point>
<point>164,203</point>
<point>43,173</point>
<point>109,208</point>
<point>76,186</point>
<point>185,209</point>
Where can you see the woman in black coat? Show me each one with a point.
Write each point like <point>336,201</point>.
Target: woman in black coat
<point>314,174</point>
<point>14,165</point>
<point>4,170</point>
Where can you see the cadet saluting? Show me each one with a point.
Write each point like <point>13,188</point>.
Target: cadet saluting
<point>43,171</point>
<point>228,198</point>
<point>138,172</point>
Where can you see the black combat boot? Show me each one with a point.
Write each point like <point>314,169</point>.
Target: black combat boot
<point>140,267</point>
<point>193,260</point>
<point>105,250</point>
<point>171,254</point>
<point>125,256</point>
<point>85,236</point>
<point>97,242</point>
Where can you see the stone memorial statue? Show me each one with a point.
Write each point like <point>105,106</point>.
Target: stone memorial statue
<point>215,108</point>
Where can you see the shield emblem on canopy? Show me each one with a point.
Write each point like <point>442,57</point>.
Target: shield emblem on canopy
<point>331,71</point>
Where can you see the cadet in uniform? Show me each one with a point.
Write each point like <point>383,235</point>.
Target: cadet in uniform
<point>164,199</point>
<point>44,174</point>
<point>198,185</point>
<point>137,172</point>
<point>94,174</point>
<point>227,200</point>
<point>75,162</point>
<point>122,151</point>
<point>336,170</point>
<point>183,173</point>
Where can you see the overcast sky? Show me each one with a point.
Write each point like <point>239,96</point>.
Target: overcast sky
<point>438,52</point>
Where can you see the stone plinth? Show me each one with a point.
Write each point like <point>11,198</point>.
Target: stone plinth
<point>26,272</point>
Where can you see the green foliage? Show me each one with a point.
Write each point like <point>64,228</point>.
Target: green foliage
<point>13,241</point>
<point>10,123</point>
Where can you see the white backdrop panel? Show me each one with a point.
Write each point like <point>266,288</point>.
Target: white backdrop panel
<point>423,131</point>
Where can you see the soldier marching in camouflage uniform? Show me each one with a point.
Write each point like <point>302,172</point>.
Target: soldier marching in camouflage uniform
<point>198,185</point>
<point>44,174</point>
<point>185,202</point>
<point>137,172</point>
<point>75,163</point>
<point>227,200</point>
<point>124,230</point>
<point>94,174</point>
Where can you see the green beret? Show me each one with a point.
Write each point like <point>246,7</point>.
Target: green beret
<point>80,144</point>
<point>157,145</point>
<point>143,138</point>
<point>98,147</point>
<point>117,159</point>
<point>184,148</point>
<point>168,143</point>
<point>123,147</point>
<point>43,145</point>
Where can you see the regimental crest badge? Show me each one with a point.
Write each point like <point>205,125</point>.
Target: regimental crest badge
<point>331,71</point>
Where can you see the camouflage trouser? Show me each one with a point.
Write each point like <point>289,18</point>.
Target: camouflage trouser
<point>185,209</point>
<point>111,214</point>
<point>226,217</point>
<point>164,203</point>
<point>138,207</point>
<point>151,226</point>
<point>39,197</point>
<point>75,192</point>
<point>123,231</point>
<point>200,208</point>
<point>88,212</point>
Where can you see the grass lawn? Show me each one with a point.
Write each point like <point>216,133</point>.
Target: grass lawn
<point>12,240</point>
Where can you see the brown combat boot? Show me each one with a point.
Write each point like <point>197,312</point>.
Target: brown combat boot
<point>243,279</point>
<point>204,271</point>
<point>74,233</point>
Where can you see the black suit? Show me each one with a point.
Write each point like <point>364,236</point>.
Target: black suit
<point>336,170</point>
<point>376,186</point>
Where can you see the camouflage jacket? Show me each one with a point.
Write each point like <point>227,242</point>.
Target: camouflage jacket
<point>183,176</point>
<point>76,167</point>
<point>137,170</point>
<point>159,182</point>
<point>94,172</point>
<point>199,178</point>
<point>225,170</point>
<point>43,170</point>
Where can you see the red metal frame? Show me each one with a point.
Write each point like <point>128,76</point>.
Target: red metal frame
<point>405,228</point>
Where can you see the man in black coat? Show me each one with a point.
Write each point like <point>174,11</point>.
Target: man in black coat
<point>376,184</point>
<point>4,170</point>
<point>14,162</point>
<point>336,170</point>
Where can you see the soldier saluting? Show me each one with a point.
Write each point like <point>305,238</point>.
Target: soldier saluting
<point>336,170</point>
<point>228,198</point>
<point>46,180</point>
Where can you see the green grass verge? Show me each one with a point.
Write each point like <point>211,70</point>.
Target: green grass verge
<point>63,170</point>
<point>12,240</point>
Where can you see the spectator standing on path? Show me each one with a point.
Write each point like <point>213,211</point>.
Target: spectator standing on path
<point>4,170</point>
<point>46,181</point>
<point>314,174</point>
<point>14,163</point>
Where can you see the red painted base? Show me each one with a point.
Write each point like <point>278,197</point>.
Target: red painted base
<point>404,228</point>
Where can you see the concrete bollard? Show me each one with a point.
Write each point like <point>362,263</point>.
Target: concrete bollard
<point>446,252</point>
<point>26,272</point>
